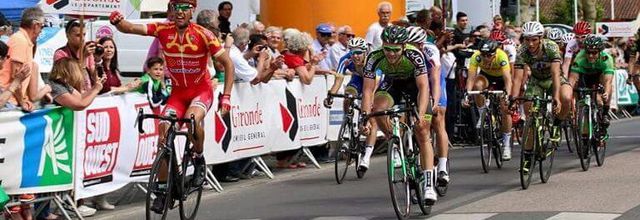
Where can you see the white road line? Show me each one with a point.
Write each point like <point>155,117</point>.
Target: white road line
<point>471,216</point>
<point>583,216</point>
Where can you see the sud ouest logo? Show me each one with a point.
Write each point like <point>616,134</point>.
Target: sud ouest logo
<point>48,148</point>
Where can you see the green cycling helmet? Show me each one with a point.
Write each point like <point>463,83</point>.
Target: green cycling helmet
<point>594,42</point>
<point>395,35</point>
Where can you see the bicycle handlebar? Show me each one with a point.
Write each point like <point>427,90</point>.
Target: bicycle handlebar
<point>486,92</point>
<point>172,119</point>
<point>346,96</point>
<point>599,89</point>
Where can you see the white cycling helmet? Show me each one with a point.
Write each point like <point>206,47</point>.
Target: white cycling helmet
<point>554,34</point>
<point>532,29</point>
<point>416,35</point>
<point>357,43</point>
<point>567,37</point>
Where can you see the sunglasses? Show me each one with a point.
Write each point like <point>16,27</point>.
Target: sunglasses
<point>593,52</point>
<point>393,49</point>
<point>357,52</point>
<point>325,34</point>
<point>348,35</point>
<point>182,7</point>
<point>488,54</point>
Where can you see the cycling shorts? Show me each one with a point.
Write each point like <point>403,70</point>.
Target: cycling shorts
<point>443,93</point>
<point>355,85</point>
<point>182,98</point>
<point>393,89</point>
<point>495,82</point>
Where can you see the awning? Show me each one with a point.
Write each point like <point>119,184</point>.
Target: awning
<point>12,9</point>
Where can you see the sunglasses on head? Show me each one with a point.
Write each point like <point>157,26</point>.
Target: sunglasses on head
<point>325,34</point>
<point>392,48</point>
<point>182,6</point>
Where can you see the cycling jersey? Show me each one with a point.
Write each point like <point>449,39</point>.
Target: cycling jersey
<point>511,51</point>
<point>345,65</point>
<point>540,65</point>
<point>572,48</point>
<point>186,56</point>
<point>432,54</point>
<point>494,68</point>
<point>412,64</point>
<point>399,78</point>
<point>603,65</point>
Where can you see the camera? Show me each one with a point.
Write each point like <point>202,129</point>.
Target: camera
<point>99,50</point>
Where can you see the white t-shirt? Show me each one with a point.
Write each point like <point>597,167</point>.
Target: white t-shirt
<point>571,49</point>
<point>373,36</point>
<point>337,51</point>
<point>317,48</point>
<point>243,71</point>
<point>447,61</point>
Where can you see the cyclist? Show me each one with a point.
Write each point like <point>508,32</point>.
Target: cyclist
<point>555,35</point>
<point>566,38</point>
<point>418,38</point>
<point>540,58</point>
<point>186,48</point>
<point>593,66</point>
<point>405,72</point>
<point>495,74</point>
<point>353,62</point>
<point>580,31</point>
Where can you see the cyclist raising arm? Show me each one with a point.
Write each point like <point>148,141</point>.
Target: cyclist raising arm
<point>495,74</point>
<point>186,49</point>
<point>405,72</point>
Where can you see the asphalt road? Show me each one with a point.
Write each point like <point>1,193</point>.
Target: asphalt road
<point>606,192</point>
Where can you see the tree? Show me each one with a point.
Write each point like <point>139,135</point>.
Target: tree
<point>563,13</point>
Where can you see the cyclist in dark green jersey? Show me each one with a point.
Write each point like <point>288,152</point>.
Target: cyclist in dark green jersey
<point>405,72</point>
<point>591,67</point>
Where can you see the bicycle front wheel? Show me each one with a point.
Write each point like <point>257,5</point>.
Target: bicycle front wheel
<point>190,194</point>
<point>583,145</point>
<point>155,190</point>
<point>486,141</point>
<point>599,147</point>
<point>343,152</point>
<point>548,150</point>
<point>527,160</point>
<point>497,147</point>
<point>398,180</point>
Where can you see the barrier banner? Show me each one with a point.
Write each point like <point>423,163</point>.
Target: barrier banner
<point>36,151</point>
<point>627,94</point>
<point>312,114</point>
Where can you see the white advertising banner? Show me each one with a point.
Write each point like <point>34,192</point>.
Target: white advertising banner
<point>312,114</point>
<point>616,29</point>
<point>129,8</point>
<point>48,42</point>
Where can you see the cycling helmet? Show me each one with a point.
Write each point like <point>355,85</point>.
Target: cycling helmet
<point>497,35</point>
<point>357,43</point>
<point>582,27</point>
<point>489,47</point>
<point>395,35</point>
<point>566,37</point>
<point>554,34</point>
<point>532,29</point>
<point>416,35</point>
<point>593,42</point>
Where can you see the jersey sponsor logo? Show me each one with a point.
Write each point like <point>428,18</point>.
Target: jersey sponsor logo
<point>416,58</point>
<point>102,144</point>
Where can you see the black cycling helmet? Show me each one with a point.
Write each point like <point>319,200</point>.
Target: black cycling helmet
<point>489,47</point>
<point>593,42</point>
<point>395,35</point>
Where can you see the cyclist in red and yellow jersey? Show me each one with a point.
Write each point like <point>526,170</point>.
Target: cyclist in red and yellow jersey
<point>186,47</point>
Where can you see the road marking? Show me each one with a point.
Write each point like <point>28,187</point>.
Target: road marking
<point>472,216</point>
<point>583,216</point>
<point>622,137</point>
<point>341,218</point>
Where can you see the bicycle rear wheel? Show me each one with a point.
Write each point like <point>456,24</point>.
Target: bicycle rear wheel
<point>486,141</point>
<point>497,148</point>
<point>548,150</point>
<point>343,152</point>
<point>163,160</point>
<point>527,166</point>
<point>583,145</point>
<point>189,194</point>
<point>398,181</point>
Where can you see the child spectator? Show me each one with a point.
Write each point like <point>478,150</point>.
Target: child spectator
<point>153,84</point>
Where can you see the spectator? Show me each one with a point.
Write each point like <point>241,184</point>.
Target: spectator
<point>334,35</point>
<point>76,47</point>
<point>107,66</point>
<point>7,92</point>
<point>484,31</point>
<point>244,72</point>
<point>498,23</point>
<point>298,46</point>
<point>258,57</point>
<point>21,52</point>
<point>461,31</point>
<point>153,83</point>
<point>209,19</point>
<point>225,8</point>
<point>436,18</point>
<point>339,49</point>
<point>375,29</point>
<point>256,27</point>
<point>274,39</point>
<point>422,19</point>
<point>67,81</point>
<point>321,47</point>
